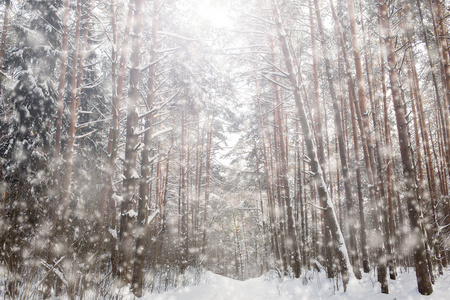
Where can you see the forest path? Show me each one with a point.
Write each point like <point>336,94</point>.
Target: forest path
<point>271,287</point>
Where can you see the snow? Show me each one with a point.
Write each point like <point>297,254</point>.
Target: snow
<point>113,233</point>
<point>163,131</point>
<point>132,213</point>
<point>312,285</point>
<point>152,217</point>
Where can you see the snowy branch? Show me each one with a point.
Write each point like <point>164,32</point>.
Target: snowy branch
<point>153,110</point>
<point>277,83</point>
<point>317,206</point>
<point>180,36</point>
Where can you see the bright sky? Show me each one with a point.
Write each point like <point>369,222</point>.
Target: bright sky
<point>215,12</point>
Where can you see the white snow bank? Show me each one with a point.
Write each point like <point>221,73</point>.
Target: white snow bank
<point>270,287</point>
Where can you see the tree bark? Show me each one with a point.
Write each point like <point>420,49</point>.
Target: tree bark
<point>207,179</point>
<point>118,86</point>
<point>61,84</point>
<point>284,190</point>
<point>270,197</point>
<point>440,31</point>
<point>423,277</point>
<point>340,137</point>
<point>3,40</point>
<point>131,176</point>
<point>183,195</point>
<point>326,204</point>
<point>370,164</point>
<point>65,192</point>
<point>443,113</point>
<point>144,195</point>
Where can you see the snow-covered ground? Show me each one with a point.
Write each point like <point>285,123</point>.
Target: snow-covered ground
<point>272,287</point>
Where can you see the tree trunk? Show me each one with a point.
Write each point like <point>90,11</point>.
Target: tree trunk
<point>207,179</point>
<point>426,148</point>
<point>57,150</point>
<point>370,164</point>
<point>144,195</point>
<point>389,219</point>
<point>131,176</point>
<point>326,204</point>
<point>61,84</point>
<point>65,192</point>
<point>117,92</point>
<point>443,113</point>
<point>370,146</point>
<point>422,273</point>
<point>270,197</point>
<point>183,201</point>
<point>316,104</point>
<point>3,40</point>
<point>440,32</point>
<point>362,220</point>
<point>283,183</point>
<point>340,137</point>
<point>317,128</point>
<point>107,199</point>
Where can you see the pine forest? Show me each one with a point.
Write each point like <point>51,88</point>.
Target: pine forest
<point>146,142</point>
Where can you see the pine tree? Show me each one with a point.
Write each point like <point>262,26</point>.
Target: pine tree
<point>26,146</point>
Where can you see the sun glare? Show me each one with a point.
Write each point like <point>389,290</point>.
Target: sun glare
<point>214,12</point>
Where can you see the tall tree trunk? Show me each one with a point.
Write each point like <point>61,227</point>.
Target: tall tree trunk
<point>317,127</point>
<point>270,195</point>
<point>183,201</point>
<point>362,220</point>
<point>290,241</point>
<point>301,219</point>
<point>326,204</point>
<point>370,145</point>
<point>3,40</point>
<point>131,176</point>
<point>389,213</point>
<point>65,193</point>
<point>369,155</point>
<point>117,93</point>
<point>443,113</point>
<point>61,84</point>
<point>279,189</point>
<point>340,137</point>
<point>426,148</point>
<point>107,199</point>
<point>57,150</point>
<point>327,252</point>
<point>144,195</point>
<point>196,206</point>
<point>207,179</point>
<point>440,32</point>
<point>278,239</point>
<point>370,164</point>
<point>77,80</point>
<point>422,273</point>
<point>316,103</point>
